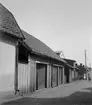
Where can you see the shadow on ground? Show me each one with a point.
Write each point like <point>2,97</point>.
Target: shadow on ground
<point>77,98</point>
<point>88,89</point>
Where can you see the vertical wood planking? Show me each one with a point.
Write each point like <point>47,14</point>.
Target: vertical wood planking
<point>60,75</point>
<point>24,78</point>
<point>32,75</point>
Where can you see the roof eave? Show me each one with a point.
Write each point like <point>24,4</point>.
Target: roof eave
<point>40,54</point>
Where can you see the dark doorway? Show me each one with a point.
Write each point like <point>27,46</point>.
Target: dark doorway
<point>67,74</point>
<point>67,78</point>
<point>54,76</point>
<point>60,75</point>
<point>41,76</point>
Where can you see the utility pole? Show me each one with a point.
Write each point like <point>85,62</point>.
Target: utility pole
<point>85,59</point>
<point>86,65</point>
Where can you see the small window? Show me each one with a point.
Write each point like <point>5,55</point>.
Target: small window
<point>23,54</point>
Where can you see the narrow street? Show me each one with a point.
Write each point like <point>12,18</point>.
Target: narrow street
<point>76,93</point>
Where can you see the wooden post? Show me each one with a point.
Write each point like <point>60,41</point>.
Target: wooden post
<point>36,77</point>
<point>46,76</point>
<point>63,76</point>
<point>16,69</point>
<point>58,76</point>
<point>51,75</point>
<point>70,76</point>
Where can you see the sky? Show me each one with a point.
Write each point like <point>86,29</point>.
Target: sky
<point>63,25</point>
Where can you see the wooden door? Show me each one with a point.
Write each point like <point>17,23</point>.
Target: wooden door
<point>60,75</point>
<point>55,76</point>
<point>41,77</point>
<point>23,78</point>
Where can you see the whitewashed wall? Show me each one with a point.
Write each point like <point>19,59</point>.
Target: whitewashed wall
<point>7,67</point>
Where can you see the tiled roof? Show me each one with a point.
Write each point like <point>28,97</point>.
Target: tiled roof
<point>39,47</point>
<point>8,23</point>
<point>70,66</point>
<point>69,61</point>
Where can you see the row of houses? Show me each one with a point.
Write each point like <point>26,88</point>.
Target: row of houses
<point>33,64</point>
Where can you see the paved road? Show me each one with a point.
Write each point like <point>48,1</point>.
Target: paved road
<point>77,93</point>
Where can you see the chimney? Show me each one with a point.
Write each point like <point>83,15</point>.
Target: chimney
<point>58,53</point>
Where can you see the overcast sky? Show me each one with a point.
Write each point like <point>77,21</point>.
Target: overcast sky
<point>64,25</point>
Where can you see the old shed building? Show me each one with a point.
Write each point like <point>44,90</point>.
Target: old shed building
<point>26,63</point>
<point>39,67</point>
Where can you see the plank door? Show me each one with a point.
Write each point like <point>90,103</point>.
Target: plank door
<point>41,77</point>
<point>55,76</point>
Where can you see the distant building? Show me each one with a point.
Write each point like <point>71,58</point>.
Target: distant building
<point>71,74</point>
<point>71,70</point>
